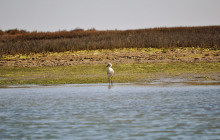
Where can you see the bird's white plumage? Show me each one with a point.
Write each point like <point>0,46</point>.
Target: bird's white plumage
<point>110,72</point>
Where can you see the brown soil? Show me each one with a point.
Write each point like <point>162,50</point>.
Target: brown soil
<point>117,56</point>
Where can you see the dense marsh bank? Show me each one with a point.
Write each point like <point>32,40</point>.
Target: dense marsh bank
<point>80,56</point>
<point>23,42</point>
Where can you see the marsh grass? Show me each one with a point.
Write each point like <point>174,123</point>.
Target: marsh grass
<point>20,42</point>
<point>79,74</point>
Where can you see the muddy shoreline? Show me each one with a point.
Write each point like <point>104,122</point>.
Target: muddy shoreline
<point>120,56</point>
<point>154,82</point>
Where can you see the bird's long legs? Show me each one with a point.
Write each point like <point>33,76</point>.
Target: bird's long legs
<point>110,80</point>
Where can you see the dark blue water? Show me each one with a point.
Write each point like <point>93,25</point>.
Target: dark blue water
<point>126,111</point>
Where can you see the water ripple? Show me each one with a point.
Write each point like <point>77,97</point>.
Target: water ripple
<point>123,112</point>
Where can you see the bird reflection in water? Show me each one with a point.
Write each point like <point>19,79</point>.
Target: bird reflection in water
<point>110,86</point>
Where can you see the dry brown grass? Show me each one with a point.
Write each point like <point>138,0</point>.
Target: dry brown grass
<point>23,42</point>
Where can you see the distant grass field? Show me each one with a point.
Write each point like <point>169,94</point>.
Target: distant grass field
<point>124,73</point>
<point>15,41</point>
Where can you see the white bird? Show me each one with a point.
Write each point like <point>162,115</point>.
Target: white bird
<point>110,72</point>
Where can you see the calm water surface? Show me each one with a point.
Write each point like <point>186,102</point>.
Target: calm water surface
<point>126,111</point>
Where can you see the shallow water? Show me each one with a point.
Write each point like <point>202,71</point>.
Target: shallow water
<point>126,111</point>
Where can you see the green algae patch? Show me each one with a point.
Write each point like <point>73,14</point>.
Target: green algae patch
<point>124,73</point>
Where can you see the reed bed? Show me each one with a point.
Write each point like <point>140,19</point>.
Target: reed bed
<point>23,42</point>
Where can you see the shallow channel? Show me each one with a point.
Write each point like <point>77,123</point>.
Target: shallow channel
<point>97,111</point>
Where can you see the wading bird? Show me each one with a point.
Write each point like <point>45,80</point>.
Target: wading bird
<point>110,72</point>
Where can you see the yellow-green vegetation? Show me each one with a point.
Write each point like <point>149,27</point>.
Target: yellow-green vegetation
<point>195,51</point>
<point>124,73</point>
<point>144,54</point>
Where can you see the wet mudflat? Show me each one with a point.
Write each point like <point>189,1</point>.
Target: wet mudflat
<point>97,111</point>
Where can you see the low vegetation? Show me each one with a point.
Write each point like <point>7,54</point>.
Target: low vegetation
<point>115,56</point>
<point>124,73</point>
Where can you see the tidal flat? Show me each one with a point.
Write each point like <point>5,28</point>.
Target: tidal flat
<point>124,73</point>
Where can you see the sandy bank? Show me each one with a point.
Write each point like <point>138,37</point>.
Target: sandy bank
<point>118,56</point>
